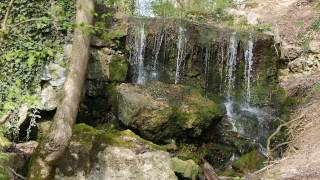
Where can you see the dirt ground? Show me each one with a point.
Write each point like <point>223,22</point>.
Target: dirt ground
<point>290,20</point>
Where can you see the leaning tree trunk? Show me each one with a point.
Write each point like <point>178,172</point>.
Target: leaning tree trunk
<point>57,140</point>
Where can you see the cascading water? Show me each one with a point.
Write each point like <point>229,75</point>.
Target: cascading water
<point>137,55</point>
<point>248,67</point>
<point>156,50</point>
<point>206,68</point>
<point>231,65</point>
<point>182,48</point>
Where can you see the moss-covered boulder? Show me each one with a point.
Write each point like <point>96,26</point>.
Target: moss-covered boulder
<point>247,163</point>
<point>107,153</point>
<point>186,169</point>
<point>160,111</point>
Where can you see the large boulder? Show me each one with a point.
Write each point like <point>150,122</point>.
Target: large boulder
<point>160,111</point>
<point>114,155</point>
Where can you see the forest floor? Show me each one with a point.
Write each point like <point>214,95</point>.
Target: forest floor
<point>290,21</point>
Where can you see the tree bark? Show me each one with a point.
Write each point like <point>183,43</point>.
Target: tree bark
<point>57,140</point>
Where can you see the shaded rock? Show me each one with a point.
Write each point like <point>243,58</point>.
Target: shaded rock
<point>55,74</point>
<point>110,154</point>
<point>50,98</point>
<point>107,65</point>
<point>161,110</point>
<point>187,169</point>
<point>43,127</point>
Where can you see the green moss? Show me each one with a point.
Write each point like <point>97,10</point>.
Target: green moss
<point>118,68</point>
<point>189,151</point>
<point>3,174</point>
<point>249,162</point>
<point>86,135</point>
<point>188,169</point>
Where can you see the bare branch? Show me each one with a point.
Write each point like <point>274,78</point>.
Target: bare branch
<point>269,151</point>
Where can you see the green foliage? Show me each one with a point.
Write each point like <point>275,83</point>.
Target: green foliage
<point>36,30</point>
<point>164,8</point>
<point>316,25</point>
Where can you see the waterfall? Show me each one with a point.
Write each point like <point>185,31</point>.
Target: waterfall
<point>206,68</point>
<point>231,66</point>
<point>182,48</point>
<point>137,55</point>
<point>156,50</point>
<point>248,67</point>
<point>221,66</point>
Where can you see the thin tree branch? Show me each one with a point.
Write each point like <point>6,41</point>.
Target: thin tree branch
<point>26,21</point>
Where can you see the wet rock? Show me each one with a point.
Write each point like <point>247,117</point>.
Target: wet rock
<point>107,65</point>
<point>187,169</point>
<point>113,155</point>
<point>160,111</point>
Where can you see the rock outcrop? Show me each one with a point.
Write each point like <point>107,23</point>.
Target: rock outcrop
<point>110,154</point>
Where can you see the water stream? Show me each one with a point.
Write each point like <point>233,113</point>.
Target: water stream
<point>182,42</point>
<point>230,79</point>
<point>248,67</point>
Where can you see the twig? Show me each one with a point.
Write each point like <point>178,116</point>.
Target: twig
<point>28,20</point>
<point>269,151</point>
<point>15,173</point>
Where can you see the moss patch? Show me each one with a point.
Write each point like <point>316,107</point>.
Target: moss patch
<point>86,135</point>
<point>118,68</point>
<point>247,163</point>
